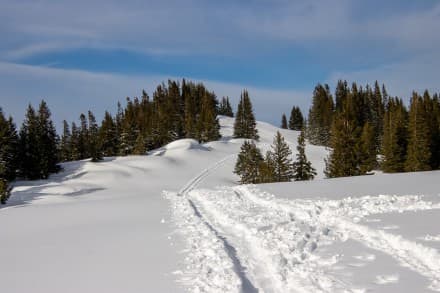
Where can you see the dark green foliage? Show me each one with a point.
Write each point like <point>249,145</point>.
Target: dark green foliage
<point>8,156</point>
<point>108,136</point>
<point>267,169</point>
<point>38,144</point>
<point>284,122</point>
<point>320,116</point>
<point>296,121</point>
<point>5,190</point>
<point>66,143</point>
<point>302,168</point>
<point>83,134</point>
<point>419,140</point>
<point>140,146</point>
<point>395,136</point>
<point>245,124</point>
<point>208,126</point>
<point>367,149</point>
<point>8,148</point>
<point>249,163</point>
<point>225,108</point>
<point>93,139</point>
<point>281,158</point>
<point>343,159</point>
<point>435,132</point>
<point>75,143</point>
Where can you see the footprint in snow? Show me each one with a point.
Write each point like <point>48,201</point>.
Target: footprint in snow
<point>386,279</point>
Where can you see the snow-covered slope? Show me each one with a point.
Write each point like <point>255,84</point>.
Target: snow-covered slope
<point>176,220</point>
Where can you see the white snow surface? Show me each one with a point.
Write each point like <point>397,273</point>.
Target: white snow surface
<point>176,220</point>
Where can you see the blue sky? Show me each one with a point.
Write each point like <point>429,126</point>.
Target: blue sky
<point>81,55</point>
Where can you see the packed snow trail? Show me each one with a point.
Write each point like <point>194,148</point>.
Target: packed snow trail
<point>276,239</point>
<point>202,175</point>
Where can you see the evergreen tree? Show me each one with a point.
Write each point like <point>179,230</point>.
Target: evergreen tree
<point>367,149</point>
<point>208,125</point>
<point>302,168</point>
<point>108,136</point>
<point>140,146</point>
<point>284,122</point>
<point>47,142</point>
<point>94,144</point>
<point>29,153</point>
<point>83,141</point>
<point>320,116</point>
<point>343,159</point>
<point>341,94</point>
<point>395,136</point>
<point>296,121</point>
<point>267,169</point>
<point>225,108</point>
<point>435,133</point>
<point>245,124</point>
<point>66,143</point>
<point>8,156</point>
<point>419,152</point>
<point>38,144</point>
<point>281,155</point>
<point>249,163</point>
<point>190,110</point>
<point>75,143</point>
<point>8,148</point>
<point>5,189</point>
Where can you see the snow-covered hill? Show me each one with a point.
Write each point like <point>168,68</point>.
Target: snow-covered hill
<point>176,220</point>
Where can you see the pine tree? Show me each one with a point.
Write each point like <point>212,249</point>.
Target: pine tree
<point>395,136</point>
<point>8,148</point>
<point>5,188</point>
<point>140,147</point>
<point>8,156</point>
<point>320,116</point>
<point>343,159</point>
<point>296,121</point>
<point>267,169</point>
<point>66,143</point>
<point>75,143</point>
<point>47,142</point>
<point>83,141</point>
<point>93,136</point>
<point>29,152</point>
<point>248,164</point>
<point>284,122</point>
<point>208,125</point>
<point>245,124</point>
<point>419,152</point>
<point>225,108</point>
<point>281,155</point>
<point>302,168</point>
<point>367,149</point>
<point>435,133</point>
<point>108,136</point>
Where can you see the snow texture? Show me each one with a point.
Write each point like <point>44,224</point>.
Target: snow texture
<point>176,221</point>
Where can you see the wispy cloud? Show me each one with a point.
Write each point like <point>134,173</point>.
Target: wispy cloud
<point>70,92</point>
<point>209,27</point>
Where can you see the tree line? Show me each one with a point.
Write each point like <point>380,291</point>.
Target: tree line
<point>367,129</point>
<point>176,110</point>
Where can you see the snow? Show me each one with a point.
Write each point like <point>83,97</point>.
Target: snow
<point>177,221</point>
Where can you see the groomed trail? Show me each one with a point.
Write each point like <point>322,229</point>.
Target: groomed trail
<point>241,239</point>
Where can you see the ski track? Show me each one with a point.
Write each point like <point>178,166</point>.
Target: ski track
<point>257,242</point>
